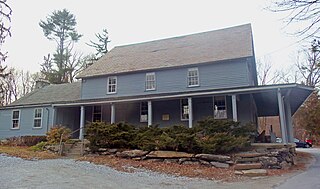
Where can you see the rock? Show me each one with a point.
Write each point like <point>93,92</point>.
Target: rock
<point>191,163</point>
<point>181,160</point>
<point>230,162</point>
<point>219,164</point>
<point>285,165</point>
<point>171,160</point>
<point>203,162</point>
<point>255,172</point>
<point>102,149</point>
<point>246,166</point>
<point>112,151</point>
<point>168,154</point>
<point>212,157</point>
<point>155,160</point>
<point>246,160</point>
<point>238,173</point>
<point>136,158</point>
<point>268,161</point>
<point>131,153</point>
<point>250,154</point>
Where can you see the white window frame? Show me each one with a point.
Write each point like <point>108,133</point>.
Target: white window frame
<point>93,113</point>
<point>193,77</point>
<point>151,83</point>
<point>181,109</point>
<point>115,84</point>
<point>37,118</point>
<point>15,119</point>
<point>141,120</point>
<point>225,106</point>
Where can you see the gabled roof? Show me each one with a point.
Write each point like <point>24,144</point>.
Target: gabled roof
<point>211,46</point>
<point>67,92</point>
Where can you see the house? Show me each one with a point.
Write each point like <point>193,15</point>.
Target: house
<point>165,82</point>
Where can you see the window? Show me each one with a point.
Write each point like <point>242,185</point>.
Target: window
<point>150,81</point>
<point>97,114</point>
<point>193,77</point>
<point>184,109</point>
<point>144,112</point>
<point>112,85</point>
<point>37,121</point>
<point>219,107</point>
<point>15,119</point>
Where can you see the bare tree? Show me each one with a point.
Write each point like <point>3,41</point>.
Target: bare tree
<point>5,19</point>
<point>309,66</point>
<point>304,12</point>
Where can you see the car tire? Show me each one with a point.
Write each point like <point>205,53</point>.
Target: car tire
<point>307,146</point>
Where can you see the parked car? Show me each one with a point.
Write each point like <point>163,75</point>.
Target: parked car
<point>302,144</point>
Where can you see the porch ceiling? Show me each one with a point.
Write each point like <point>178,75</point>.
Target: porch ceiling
<point>267,102</point>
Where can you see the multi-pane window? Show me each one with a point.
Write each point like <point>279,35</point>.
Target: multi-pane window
<point>112,85</point>
<point>144,112</point>
<point>15,119</point>
<point>219,107</point>
<point>184,109</point>
<point>37,118</point>
<point>150,81</point>
<point>193,77</point>
<point>97,114</point>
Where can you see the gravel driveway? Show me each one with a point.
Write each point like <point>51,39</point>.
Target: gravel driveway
<point>67,173</point>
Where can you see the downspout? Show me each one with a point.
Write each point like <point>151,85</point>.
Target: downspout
<point>48,118</point>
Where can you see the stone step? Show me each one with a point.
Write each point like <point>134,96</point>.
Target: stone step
<point>252,172</point>
<point>246,166</point>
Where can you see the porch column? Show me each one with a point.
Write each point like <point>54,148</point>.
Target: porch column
<point>288,117</point>
<point>190,111</point>
<point>234,108</point>
<point>82,115</point>
<point>282,118</point>
<point>113,114</point>
<point>149,113</point>
<point>53,116</point>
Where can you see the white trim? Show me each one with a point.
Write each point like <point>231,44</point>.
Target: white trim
<point>19,119</point>
<point>234,108</point>
<point>116,85</point>
<point>142,121</point>
<point>94,113</point>
<point>228,91</point>
<point>149,113</point>
<point>190,112</point>
<point>155,81</point>
<point>34,118</point>
<point>225,104</point>
<point>182,119</point>
<point>188,76</point>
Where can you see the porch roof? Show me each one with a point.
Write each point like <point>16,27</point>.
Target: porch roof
<point>265,97</point>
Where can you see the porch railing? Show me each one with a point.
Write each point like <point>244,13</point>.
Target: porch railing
<point>61,143</point>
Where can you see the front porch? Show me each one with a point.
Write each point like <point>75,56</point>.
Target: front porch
<point>244,104</point>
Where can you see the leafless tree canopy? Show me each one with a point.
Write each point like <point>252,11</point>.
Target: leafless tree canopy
<point>309,66</point>
<point>5,14</point>
<point>304,12</point>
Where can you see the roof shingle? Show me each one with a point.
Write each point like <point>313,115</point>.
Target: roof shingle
<point>229,43</point>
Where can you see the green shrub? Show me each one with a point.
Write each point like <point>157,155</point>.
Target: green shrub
<point>55,133</point>
<point>25,140</point>
<point>39,147</point>
<point>209,136</point>
<point>105,135</point>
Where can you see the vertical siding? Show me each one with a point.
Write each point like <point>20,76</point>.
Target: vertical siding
<point>225,74</point>
<point>26,122</point>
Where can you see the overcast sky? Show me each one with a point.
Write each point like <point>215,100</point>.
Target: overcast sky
<point>144,20</point>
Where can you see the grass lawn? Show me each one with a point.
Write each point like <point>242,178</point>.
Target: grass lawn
<point>26,152</point>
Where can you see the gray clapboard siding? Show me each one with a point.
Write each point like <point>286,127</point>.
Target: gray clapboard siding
<point>225,74</point>
<point>26,122</point>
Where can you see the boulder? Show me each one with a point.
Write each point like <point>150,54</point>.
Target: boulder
<point>181,160</point>
<point>246,166</point>
<point>112,151</point>
<point>246,160</point>
<point>285,165</point>
<point>219,164</point>
<point>191,163</point>
<point>131,153</point>
<point>254,172</point>
<point>203,162</point>
<point>170,161</point>
<point>169,155</point>
<point>212,157</point>
<point>268,161</point>
<point>250,154</point>
<point>102,149</point>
